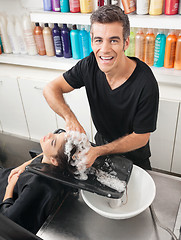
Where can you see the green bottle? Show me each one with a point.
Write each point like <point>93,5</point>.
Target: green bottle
<point>130,52</point>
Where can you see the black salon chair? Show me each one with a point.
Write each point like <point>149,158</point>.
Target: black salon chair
<point>12,231</point>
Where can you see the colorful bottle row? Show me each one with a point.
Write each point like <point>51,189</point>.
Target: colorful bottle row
<point>24,38</point>
<point>62,42</point>
<point>152,7</point>
<point>156,50</point>
<point>74,6</point>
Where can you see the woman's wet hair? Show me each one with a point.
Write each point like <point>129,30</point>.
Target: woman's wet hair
<point>64,164</point>
<point>110,14</point>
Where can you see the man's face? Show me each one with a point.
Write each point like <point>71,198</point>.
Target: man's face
<point>107,45</point>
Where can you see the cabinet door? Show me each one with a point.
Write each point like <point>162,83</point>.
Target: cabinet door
<point>162,140</point>
<point>176,165</point>
<point>41,119</point>
<point>77,100</point>
<point>12,115</point>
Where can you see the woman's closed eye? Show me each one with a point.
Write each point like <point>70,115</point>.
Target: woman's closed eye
<point>53,142</point>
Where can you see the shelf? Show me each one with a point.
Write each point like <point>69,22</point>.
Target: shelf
<point>144,21</point>
<point>65,64</point>
<point>58,17</point>
<point>39,61</point>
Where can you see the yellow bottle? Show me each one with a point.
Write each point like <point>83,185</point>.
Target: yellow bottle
<point>86,6</point>
<point>156,7</point>
<point>140,44</point>
<point>177,63</point>
<point>170,50</point>
<point>149,47</point>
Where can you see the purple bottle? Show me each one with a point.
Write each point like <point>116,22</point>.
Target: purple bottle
<point>56,5</point>
<point>56,33</point>
<point>65,35</point>
<point>47,5</point>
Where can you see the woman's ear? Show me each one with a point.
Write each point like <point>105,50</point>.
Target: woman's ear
<point>53,161</point>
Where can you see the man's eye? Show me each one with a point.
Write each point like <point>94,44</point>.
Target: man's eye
<point>114,41</point>
<point>97,41</point>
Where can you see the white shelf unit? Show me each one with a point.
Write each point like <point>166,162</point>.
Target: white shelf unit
<point>144,21</point>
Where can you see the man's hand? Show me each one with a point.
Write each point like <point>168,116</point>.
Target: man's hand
<point>91,156</point>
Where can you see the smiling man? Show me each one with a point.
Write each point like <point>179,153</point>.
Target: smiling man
<point>122,91</point>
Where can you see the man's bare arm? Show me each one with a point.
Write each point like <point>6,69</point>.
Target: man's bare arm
<point>53,93</point>
<point>121,145</point>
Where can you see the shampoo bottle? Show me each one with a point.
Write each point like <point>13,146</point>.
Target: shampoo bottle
<point>159,53</point>
<point>74,38</point>
<point>64,6</point>
<point>1,45</point>
<point>65,36</point>
<point>131,49</point>
<point>100,3</point>
<point>140,44</point>
<point>12,36</point>
<point>179,10</point>
<point>47,5</point>
<point>38,33</point>
<point>28,36</point>
<point>142,6</point>
<point>74,6</point>
<point>55,5</point>
<point>177,63</point>
<point>156,7</point>
<point>170,50</point>
<point>56,32</point>
<point>129,6</point>
<point>4,36</point>
<point>171,7</point>
<point>149,47</point>
<point>48,40</point>
<point>86,6</point>
<point>0,50</point>
<point>84,42</point>
<point>20,36</point>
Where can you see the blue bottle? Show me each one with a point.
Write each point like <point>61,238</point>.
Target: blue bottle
<point>74,39</point>
<point>159,53</point>
<point>47,5</point>
<point>64,6</point>
<point>56,33</point>
<point>84,42</point>
<point>1,45</point>
<point>65,36</point>
<point>90,47</point>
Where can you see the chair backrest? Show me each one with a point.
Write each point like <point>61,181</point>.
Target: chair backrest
<point>12,231</point>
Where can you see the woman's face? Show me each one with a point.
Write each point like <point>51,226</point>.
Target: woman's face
<point>51,143</point>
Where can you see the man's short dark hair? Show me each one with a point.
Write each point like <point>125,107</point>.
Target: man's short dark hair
<point>110,14</point>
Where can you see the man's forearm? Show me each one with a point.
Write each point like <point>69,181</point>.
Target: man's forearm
<point>125,144</point>
<point>56,101</point>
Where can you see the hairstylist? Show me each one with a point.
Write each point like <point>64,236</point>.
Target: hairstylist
<point>122,91</point>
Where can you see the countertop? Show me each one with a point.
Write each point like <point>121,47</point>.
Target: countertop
<point>74,220</point>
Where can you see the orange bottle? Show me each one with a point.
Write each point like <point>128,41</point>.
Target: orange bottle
<point>140,44</point>
<point>177,63</point>
<point>0,50</point>
<point>129,6</point>
<point>170,50</point>
<point>149,47</point>
<point>38,33</point>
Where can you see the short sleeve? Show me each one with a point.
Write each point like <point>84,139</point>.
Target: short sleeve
<point>147,110</point>
<point>74,76</point>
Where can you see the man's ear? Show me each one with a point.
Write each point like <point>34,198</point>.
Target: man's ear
<point>54,161</point>
<point>126,44</point>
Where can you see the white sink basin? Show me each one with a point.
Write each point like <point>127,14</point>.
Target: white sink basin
<point>141,193</point>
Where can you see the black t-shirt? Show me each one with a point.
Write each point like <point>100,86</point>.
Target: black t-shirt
<point>131,107</point>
